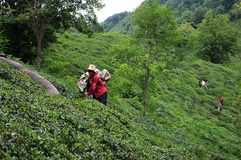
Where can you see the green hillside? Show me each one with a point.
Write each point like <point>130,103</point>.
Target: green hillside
<point>124,26</point>
<point>112,21</point>
<point>182,120</point>
<point>191,11</point>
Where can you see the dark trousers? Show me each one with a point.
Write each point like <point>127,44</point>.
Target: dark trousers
<point>102,98</point>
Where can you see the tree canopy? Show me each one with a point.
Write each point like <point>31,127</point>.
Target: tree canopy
<point>191,11</point>
<point>216,39</point>
<point>41,18</point>
<point>154,26</point>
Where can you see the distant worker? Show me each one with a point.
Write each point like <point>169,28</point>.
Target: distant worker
<point>96,86</point>
<point>203,82</point>
<point>204,85</point>
<point>219,103</point>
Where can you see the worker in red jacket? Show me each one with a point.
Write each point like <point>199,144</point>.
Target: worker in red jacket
<point>220,103</point>
<point>96,86</point>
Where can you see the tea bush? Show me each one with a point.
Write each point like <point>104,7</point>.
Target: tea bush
<point>182,120</point>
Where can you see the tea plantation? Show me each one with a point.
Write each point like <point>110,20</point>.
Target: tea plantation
<point>182,120</point>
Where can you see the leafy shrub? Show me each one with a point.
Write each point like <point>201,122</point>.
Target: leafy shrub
<point>200,91</point>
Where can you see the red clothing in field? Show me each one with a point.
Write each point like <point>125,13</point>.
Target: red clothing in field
<point>220,100</point>
<point>97,88</point>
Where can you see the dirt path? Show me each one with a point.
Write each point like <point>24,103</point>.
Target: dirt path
<point>42,81</point>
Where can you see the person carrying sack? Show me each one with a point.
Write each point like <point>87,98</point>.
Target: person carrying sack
<point>96,87</point>
<point>204,85</point>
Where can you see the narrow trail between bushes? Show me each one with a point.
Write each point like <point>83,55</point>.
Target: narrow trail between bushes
<point>42,81</point>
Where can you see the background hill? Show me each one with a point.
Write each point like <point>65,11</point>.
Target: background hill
<point>182,121</point>
<point>112,21</point>
<point>187,11</point>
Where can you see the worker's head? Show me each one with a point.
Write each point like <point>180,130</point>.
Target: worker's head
<point>91,70</point>
<point>91,73</point>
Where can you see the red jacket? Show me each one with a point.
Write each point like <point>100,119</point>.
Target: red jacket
<point>97,87</point>
<point>220,100</point>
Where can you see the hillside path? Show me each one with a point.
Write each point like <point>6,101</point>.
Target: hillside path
<point>42,81</point>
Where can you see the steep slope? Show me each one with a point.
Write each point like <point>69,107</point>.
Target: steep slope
<point>186,11</point>
<point>36,125</point>
<point>43,82</point>
<point>124,26</point>
<point>112,21</point>
<point>182,120</point>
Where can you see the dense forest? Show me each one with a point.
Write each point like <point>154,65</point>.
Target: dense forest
<point>191,11</point>
<point>114,20</point>
<point>156,57</point>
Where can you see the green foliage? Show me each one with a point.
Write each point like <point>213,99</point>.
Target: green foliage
<point>238,101</point>
<point>50,126</point>
<point>31,27</point>
<point>153,27</point>
<point>234,14</point>
<point>187,33</point>
<point>129,86</point>
<point>3,42</point>
<point>14,28</point>
<point>186,17</point>
<point>153,23</point>
<point>124,26</point>
<point>198,14</point>
<point>71,55</point>
<point>97,28</point>
<point>182,121</point>
<point>192,11</point>
<point>216,39</point>
<point>21,35</point>
<point>112,21</point>
<point>14,17</point>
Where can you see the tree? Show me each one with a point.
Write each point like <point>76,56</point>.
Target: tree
<point>97,28</point>
<point>209,4</point>
<point>198,14</point>
<point>187,33</point>
<point>219,10</point>
<point>15,28</point>
<point>153,27</point>
<point>186,16</point>
<point>216,39</point>
<point>235,14</point>
<point>3,42</point>
<point>47,16</point>
<point>61,14</point>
